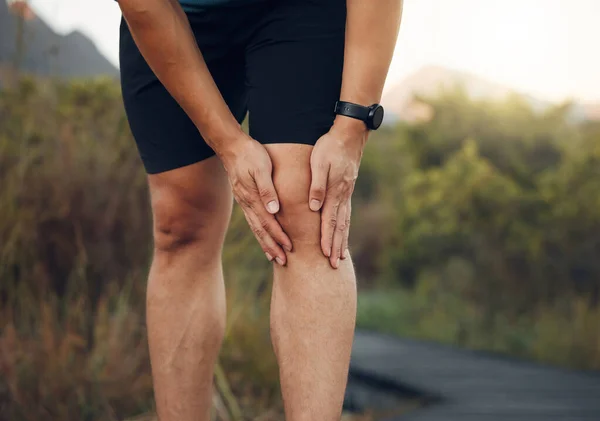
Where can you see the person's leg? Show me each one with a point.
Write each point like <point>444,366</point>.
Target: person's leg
<point>186,297</point>
<point>294,68</point>
<point>191,204</point>
<point>313,306</point>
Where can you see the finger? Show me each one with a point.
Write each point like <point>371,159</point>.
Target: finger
<point>318,185</point>
<point>272,250</point>
<point>266,191</point>
<point>268,197</point>
<point>339,233</point>
<point>329,222</point>
<point>345,251</point>
<point>273,227</point>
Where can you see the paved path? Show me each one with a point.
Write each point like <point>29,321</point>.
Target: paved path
<point>476,386</point>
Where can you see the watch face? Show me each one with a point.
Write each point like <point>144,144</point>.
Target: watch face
<point>376,117</point>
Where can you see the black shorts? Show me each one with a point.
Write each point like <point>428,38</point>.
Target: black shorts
<point>280,61</point>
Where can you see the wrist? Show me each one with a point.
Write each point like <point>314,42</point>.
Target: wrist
<point>228,145</point>
<point>350,129</point>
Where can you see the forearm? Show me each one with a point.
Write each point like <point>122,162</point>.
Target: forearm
<point>371,32</point>
<point>164,37</point>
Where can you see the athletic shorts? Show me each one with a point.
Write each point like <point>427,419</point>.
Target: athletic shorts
<point>279,61</point>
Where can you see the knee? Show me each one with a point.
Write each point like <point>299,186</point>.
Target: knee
<point>173,228</point>
<point>179,226</point>
<point>302,225</point>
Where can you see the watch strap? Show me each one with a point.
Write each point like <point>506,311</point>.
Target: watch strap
<point>349,109</point>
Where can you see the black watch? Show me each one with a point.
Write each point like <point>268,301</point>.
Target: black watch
<point>372,115</point>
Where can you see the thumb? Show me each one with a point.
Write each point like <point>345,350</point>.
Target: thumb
<point>266,191</point>
<point>318,186</point>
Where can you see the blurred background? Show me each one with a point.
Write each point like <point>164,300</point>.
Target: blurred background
<point>476,216</point>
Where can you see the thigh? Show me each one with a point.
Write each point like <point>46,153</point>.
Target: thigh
<point>294,70</point>
<point>165,136</point>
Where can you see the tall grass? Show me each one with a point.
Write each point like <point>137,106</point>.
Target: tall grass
<point>54,371</point>
<point>75,245</point>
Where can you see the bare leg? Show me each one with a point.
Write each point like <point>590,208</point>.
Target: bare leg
<point>186,297</point>
<point>313,307</point>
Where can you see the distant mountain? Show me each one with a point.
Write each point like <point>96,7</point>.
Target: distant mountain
<point>45,52</point>
<point>401,105</point>
<point>591,111</point>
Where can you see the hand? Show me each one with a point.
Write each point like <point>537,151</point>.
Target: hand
<point>334,166</point>
<point>249,168</point>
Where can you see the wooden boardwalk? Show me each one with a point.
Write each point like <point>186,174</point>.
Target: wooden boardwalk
<point>475,386</point>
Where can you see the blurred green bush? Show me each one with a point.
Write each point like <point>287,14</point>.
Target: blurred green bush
<point>485,224</point>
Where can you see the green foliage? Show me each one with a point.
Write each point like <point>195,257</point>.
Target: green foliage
<point>490,222</point>
<point>510,191</point>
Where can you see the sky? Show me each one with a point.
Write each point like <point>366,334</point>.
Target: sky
<point>547,48</point>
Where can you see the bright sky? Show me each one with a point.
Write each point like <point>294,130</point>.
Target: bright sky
<point>549,48</point>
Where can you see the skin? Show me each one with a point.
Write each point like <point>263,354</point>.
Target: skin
<point>313,306</point>
<point>296,199</point>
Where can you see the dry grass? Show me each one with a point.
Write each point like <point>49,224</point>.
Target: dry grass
<point>74,250</point>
